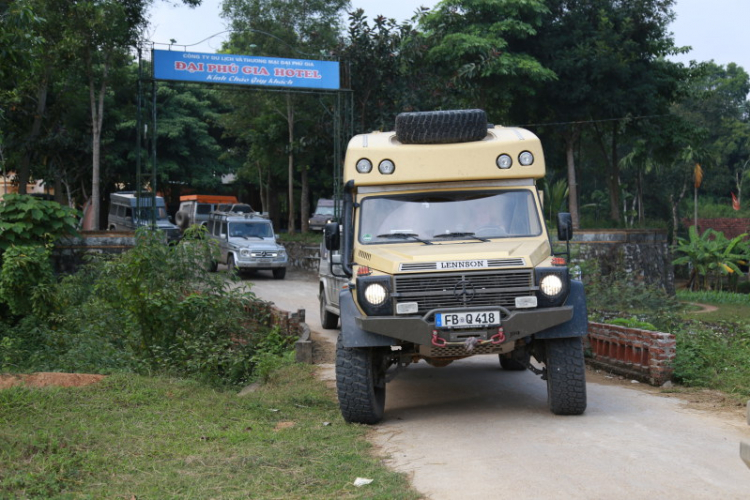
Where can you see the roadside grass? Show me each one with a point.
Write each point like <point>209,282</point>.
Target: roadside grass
<point>713,348</point>
<point>152,437</point>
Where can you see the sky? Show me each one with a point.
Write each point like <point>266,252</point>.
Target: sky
<point>716,30</point>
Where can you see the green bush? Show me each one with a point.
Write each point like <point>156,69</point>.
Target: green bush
<point>632,323</point>
<point>154,309</point>
<point>718,358</point>
<point>27,220</point>
<point>25,280</point>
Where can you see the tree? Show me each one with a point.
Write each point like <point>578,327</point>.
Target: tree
<point>286,29</point>
<point>608,57</point>
<point>481,50</point>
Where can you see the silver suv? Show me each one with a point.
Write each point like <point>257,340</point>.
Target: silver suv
<point>247,243</point>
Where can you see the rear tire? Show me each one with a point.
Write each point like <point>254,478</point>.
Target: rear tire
<point>566,376</point>
<point>360,383</point>
<point>328,320</point>
<point>441,127</point>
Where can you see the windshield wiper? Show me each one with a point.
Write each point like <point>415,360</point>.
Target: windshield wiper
<point>404,236</point>
<point>460,235</point>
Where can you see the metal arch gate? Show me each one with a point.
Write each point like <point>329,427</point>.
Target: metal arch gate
<point>343,118</point>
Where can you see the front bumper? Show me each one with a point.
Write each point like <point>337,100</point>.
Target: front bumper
<point>261,263</point>
<point>418,329</point>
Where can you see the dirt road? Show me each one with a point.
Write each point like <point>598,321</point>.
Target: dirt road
<point>473,431</point>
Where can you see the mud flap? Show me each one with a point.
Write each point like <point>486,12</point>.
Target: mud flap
<point>578,326</point>
<point>351,334</point>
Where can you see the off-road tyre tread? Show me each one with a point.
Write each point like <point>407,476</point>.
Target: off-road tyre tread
<point>441,127</point>
<point>566,376</point>
<point>359,400</point>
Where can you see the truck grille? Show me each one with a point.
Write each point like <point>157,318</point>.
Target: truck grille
<point>432,291</point>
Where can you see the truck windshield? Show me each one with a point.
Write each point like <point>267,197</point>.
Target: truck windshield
<point>449,215</point>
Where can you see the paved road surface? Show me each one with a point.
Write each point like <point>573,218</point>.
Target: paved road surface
<point>473,431</point>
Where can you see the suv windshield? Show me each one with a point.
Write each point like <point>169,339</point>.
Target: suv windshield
<point>250,230</point>
<point>450,215</point>
<point>145,213</point>
<point>324,211</point>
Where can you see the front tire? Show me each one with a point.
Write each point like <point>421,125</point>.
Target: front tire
<point>328,320</point>
<point>360,383</point>
<point>279,274</point>
<point>566,376</point>
<point>231,266</point>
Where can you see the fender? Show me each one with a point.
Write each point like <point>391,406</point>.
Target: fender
<point>351,334</point>
<point>578,326</point>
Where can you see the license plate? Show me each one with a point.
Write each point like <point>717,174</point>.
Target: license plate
<point>467,319</point>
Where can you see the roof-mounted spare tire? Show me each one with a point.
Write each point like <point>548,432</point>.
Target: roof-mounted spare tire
<point>441,127</point>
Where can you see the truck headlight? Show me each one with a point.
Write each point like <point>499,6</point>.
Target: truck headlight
<point>554,286</point>
<point>374,295</point>
<point>551,285</point>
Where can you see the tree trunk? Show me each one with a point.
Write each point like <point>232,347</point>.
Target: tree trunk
<point>304,203</point>
<point>571,137</point>
<point>97,118</point>
<point>24,170</point>
<point>613,171</point>
<point>290,124</point>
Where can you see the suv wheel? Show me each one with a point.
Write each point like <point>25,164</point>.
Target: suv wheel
<point>279,274</point>
<point>231,266</point>
<point>328,320</point>
<point>360,383</point>
<point>566,376</point>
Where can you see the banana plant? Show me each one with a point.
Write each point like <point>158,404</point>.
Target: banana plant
<point>710,255</point>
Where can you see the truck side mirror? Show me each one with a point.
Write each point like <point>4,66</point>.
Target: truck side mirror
<point>332,236</point>
<point>564,226</point>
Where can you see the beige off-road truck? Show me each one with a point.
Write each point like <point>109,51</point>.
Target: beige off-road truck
<point>443,253</point>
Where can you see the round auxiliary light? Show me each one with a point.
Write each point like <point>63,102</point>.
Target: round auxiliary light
<point>364,166</point>
<point>551,285</point>
<point>504,161</point>
<point>386,167</point>
<point>526,158</point>
<point>375,294</point>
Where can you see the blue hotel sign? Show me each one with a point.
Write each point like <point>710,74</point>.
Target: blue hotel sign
<point>245,70</point>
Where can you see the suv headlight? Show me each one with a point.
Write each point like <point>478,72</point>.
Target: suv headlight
<point>374,295</point>
<point>554,286</point>
<point>245,252</point>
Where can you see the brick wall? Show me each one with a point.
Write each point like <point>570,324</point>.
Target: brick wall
<point>731,227</point>
<point>632,352</point>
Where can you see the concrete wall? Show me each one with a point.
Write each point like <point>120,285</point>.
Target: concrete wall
<point>303,256</point>
<point>643,255</point>
<point>68,253</point>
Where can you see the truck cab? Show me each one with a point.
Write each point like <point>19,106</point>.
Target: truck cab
<point>445,254</point>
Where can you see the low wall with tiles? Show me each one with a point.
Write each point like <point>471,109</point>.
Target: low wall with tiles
<point>640,354</point>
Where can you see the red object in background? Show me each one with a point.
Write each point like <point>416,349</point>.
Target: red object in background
<point>735,202</point>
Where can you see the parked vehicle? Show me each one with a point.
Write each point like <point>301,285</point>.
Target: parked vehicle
<point>195,208</point>
<point>322,216</point>
<point>125,214</point>
<point>247,243</point>
<point>446,255</point>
